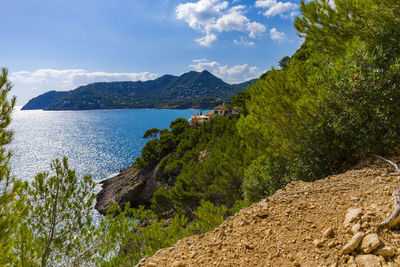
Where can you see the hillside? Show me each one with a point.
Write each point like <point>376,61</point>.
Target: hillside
<point>190,90</point>
<point>304,224</point>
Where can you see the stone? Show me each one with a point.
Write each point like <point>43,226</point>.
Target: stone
<point>390,264</point>
<point>352,215</point>
<point>328,232</point>
<point>356,228</point>
<point>370,243</point>
<point>178,264</point>
<point>368,261</point>
<point>268,232</point>
<point>193,254</point>
<point>365,225</point>
<point>151,264</point>
<point>386,252</point>
<point>318,243</point>
<point>262,213</point>
<point>331,244</point>
<point>353,243</point>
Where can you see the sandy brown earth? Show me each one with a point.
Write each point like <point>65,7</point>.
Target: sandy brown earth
<point>330,222</point>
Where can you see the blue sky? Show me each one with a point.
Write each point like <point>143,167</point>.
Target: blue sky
<point>61,44</point>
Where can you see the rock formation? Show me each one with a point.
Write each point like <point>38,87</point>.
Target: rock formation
<point>130,185</point>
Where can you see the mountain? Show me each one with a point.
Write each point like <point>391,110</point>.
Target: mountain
<point>190,90</point>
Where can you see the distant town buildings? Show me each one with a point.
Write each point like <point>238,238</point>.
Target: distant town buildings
<point>222,110</point>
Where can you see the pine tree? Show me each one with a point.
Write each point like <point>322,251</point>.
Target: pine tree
<point>8,186</point>
<point>59,228</point>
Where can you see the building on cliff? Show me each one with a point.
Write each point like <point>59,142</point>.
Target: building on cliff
<point>222,110</point>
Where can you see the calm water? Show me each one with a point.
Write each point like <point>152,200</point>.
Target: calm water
<point>99,142</point>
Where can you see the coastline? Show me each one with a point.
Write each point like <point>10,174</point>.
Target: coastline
<point>129,185</point>
<point>97,109</point>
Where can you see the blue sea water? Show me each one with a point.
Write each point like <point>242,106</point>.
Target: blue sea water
<point>97,142</point>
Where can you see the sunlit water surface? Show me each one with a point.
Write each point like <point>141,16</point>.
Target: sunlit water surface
<point>98,142</point>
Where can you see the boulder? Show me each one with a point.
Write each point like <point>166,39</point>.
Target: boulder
<point>368,261</point>
<point>352,215</point>
<point>353,243</point>
<point>385,252</point>
<point>370,243</point>
<point>356,228</point>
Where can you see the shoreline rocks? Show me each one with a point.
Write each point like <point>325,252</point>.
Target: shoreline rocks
<point>129,185</point>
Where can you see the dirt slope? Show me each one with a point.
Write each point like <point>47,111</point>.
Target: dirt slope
<point>330,222</point>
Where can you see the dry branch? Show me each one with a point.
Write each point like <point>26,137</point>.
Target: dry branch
<point>397,173</point>
<point>394,217</point>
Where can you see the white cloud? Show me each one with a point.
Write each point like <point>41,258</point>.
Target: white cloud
<point>234,74</point>
<point>29,84</point>
<point>243,42</point>
<point>277,36</point>
<point>207,40</point>
<point>265,3</point>
<point>213,16</point>
<point>278,8</point>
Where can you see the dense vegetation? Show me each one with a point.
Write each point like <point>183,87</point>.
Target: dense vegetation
<point>204,163</point>
<point>333,102</point>
<point>190,90</point>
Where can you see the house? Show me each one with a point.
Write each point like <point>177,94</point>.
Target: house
<point>222,110</point>
<point>199,119</point>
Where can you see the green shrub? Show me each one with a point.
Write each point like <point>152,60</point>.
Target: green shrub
<point>264,177</point>
<point>208,217</point>
<point>360,114</point>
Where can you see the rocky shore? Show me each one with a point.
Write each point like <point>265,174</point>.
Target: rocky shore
<point>130,185</point>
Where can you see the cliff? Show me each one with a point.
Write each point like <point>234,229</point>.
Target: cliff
<point>331,222</point>
<point>130,185</point>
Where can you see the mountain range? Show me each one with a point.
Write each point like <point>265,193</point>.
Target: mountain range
<point>190,90</point>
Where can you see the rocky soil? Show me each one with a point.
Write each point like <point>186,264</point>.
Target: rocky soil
<point>330,222</point>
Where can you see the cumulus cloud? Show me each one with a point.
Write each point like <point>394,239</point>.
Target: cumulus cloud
<point>277,36</point>
<point>213,16</point>
<point>234,74</point>
<point>29,84</point>
<point>273,8</point>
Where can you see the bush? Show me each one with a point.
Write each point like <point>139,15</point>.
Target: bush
<point>264,177</point>
<point>208,217</point>
<point>360,114</point>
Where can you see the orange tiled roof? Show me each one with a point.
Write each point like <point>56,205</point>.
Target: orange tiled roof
<point>210,113</point>
<point>223,107</point>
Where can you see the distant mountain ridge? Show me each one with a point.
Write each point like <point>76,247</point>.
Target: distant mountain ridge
<point>190,90</point>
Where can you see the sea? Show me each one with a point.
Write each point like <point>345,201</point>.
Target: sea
<point>99,143</point>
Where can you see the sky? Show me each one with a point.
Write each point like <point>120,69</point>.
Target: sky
<point>62,44</point>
